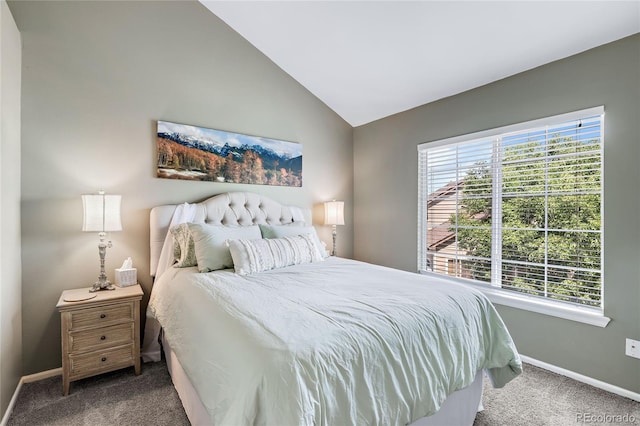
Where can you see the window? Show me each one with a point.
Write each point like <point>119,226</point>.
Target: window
<point>518,207</point>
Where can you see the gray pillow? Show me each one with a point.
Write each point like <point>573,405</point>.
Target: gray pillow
<point>211,249</point>
<point>281,231</point>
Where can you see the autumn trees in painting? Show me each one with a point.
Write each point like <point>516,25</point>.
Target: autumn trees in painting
<point>193,153</point>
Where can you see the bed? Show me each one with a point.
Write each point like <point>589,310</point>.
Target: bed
<point>329,342</point>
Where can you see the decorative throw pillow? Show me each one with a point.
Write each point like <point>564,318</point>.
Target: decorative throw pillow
<point>211,249</point>
<point>183,248</point>
<point>280,231</point>
<point>253,256</point>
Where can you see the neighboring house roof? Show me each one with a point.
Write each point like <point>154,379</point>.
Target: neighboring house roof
<point>437,195</point>
<point>439,235</point>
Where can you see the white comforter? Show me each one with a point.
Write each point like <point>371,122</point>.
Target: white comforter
<point>338,342</point>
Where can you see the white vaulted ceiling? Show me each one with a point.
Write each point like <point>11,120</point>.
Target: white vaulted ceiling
<point>370,59</point>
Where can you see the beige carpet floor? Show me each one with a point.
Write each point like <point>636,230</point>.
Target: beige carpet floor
<point>537,397</point>
<point>540,397</point>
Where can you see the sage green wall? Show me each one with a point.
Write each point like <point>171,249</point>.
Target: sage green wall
<point>385,188</point>
<point>96,76</point>
<point>10,269</point>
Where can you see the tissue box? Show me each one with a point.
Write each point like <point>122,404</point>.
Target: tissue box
<point>126,277</point>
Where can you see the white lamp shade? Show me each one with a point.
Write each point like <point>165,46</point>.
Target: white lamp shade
<point>101,213</point>
<point>334,213</point>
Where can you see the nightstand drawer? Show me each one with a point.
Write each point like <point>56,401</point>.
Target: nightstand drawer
<point>101,361</point>
<point>100,338</point>
<point>102,316</point>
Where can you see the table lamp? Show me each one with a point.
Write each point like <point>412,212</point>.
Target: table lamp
<point>102,215</point>
<point>334,215</point>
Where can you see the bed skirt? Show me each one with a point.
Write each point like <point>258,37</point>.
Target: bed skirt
<point>459,408</point>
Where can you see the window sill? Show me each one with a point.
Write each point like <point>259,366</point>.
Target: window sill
<point>556,309</point>
<point>566,311</point>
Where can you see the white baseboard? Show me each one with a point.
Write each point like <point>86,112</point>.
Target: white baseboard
<point>27,379</point>
<point>582,378</point>
<point>41,375</point>
<point>7,413</point>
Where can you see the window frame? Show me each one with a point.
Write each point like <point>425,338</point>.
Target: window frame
<point>581,313</point>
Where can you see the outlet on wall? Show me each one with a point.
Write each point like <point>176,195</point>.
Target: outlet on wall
<point>633,348</point>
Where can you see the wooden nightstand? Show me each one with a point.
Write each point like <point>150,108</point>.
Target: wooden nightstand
<point>100,334</point>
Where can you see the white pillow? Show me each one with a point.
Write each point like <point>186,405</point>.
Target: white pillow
<point>210,245</point>
<point>280,231</point>
<point>252,256</point>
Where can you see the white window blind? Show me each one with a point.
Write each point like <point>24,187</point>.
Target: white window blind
<point>518,207</point>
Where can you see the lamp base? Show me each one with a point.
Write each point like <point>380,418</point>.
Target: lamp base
<point>334,232</point>
<point>101,285</point>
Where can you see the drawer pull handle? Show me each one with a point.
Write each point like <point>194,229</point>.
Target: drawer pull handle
<point>103,337</point>
<point>103,315</point>
<point>104,358</point>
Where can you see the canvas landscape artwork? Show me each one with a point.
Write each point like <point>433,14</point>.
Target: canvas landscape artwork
<point>197,153</point>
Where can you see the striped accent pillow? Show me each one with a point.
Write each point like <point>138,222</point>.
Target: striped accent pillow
<point>253,256</point>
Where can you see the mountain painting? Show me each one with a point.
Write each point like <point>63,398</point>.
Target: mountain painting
<point>197,153</point>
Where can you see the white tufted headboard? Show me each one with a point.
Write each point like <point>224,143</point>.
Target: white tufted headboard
<point>229,208</point>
